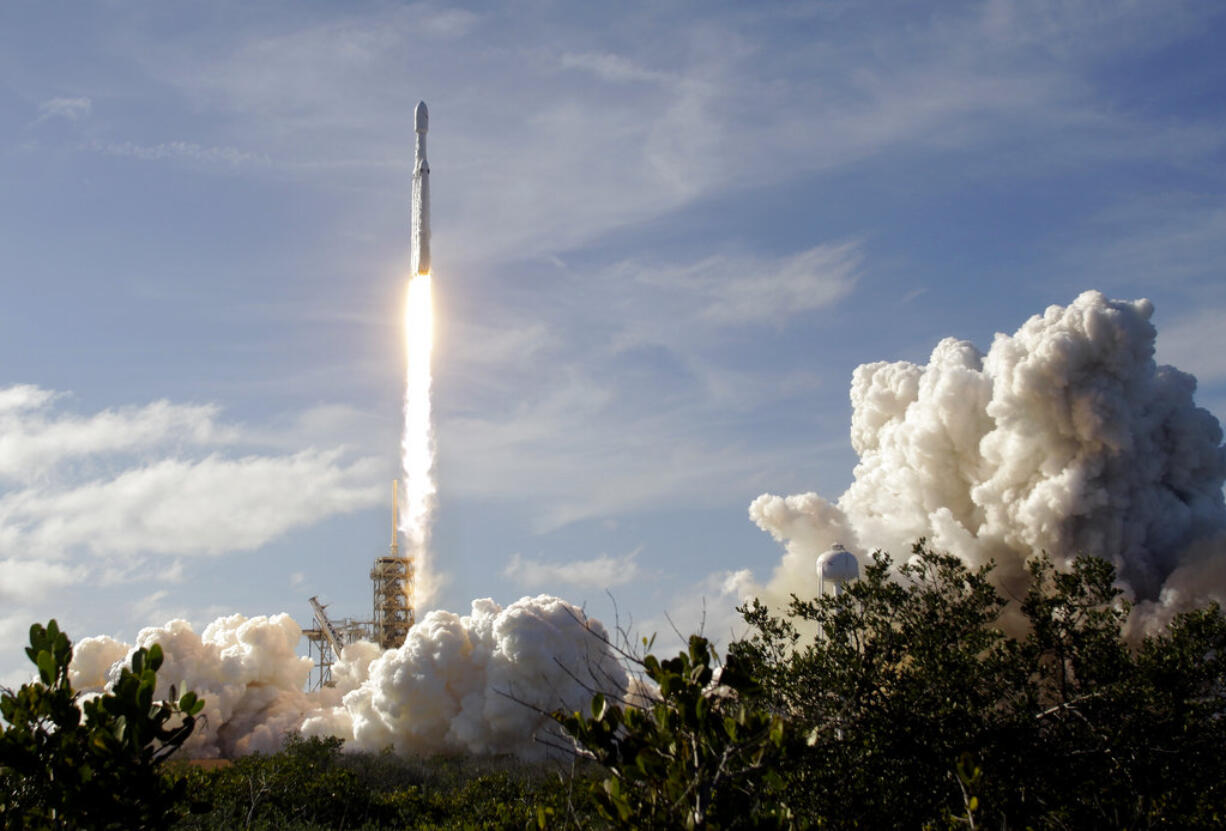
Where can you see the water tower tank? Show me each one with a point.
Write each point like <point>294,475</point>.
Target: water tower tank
<point>836,567</point>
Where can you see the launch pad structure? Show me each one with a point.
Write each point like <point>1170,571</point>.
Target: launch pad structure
<point>393,583</point>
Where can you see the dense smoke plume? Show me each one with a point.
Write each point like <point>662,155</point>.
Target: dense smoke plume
<point>1066,438</point>
<point>471,684</point>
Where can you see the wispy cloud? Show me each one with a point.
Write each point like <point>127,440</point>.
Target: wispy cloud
<point>731,291</point>
<point>541,156</point>
<point>69,109</point>
<point>174,506</point>
<point>180,150</point>
<point>449,23</point>
<point>29,578</point>
<point>610,67</point>
<point>35,439</point>
<point>599,572</point>
<point>1177,238</point>
<point>1194,344</point>
<point>159,479</point>
<point>610,397</point>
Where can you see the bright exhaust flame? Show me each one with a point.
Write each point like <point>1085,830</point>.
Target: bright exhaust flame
<point>417,447</point>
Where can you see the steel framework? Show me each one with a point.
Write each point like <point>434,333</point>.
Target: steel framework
<point>392,615</point>
<point>392,579</point>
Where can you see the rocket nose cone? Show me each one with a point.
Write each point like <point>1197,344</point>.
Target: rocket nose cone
<point>421,117</point>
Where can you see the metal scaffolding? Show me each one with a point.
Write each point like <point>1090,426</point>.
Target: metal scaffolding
<point>326,640</point>
<point>392,579</point>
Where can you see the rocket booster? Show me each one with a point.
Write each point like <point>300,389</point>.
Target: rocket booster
<point>421,193</point>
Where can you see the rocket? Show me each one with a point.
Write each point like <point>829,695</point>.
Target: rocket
<point>421,192</point>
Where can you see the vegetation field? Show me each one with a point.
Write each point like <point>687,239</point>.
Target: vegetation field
<point>917,698</point>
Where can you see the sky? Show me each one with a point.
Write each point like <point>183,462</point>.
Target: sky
<point>664,235</point>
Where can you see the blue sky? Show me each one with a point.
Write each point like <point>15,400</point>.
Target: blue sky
<point>664,236</point>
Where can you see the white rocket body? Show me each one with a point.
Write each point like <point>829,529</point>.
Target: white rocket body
<point>421,193</point>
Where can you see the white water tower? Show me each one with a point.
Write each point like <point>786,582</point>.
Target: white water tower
<point>836,567</point>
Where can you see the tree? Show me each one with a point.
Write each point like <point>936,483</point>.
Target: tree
<point>919,711</point>
<point>695,755</point>
<point>902,676</point>
<point>74,761</point>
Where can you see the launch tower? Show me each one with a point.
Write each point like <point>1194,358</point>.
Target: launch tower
<point>392,579</point>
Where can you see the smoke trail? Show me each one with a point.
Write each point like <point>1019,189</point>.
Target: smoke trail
<point>417,448</point>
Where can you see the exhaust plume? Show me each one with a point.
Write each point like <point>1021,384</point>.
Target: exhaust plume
<point>459,684</point>
<point>1066,437</point>
<point>417,448</point>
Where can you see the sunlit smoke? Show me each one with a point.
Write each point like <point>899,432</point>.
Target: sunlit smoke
<point>479,683</point>
<point>1066,437</point>
<point>417,449</point>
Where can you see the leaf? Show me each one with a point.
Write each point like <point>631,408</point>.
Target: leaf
<point>776,731</point>
<point>155,657</point>
<point>46,667</point>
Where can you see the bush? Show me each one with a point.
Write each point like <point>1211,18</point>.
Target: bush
<point>917,710</point>
<point>696,755</point>
<point>312,784</point>
<point>73,762</point>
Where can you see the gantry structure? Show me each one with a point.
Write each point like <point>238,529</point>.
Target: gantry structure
<point>392,614</point>
<point>392,581</point>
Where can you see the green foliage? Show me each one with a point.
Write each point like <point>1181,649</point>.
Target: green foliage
<point>68,761</point>
<point>312,784</point>
<point>697,756</point>
<point>1123,737</point>
<point>902,677</point>
<point>899,703</point>
<point>918,711</point>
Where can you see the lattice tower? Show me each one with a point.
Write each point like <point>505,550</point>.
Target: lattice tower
<point>392,579</point>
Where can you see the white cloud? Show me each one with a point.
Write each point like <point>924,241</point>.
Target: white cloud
<point>610,67</point>
<point>173,506</point>
<point>449,22</point>
<point>34,438</point>
<point>597,573</point>
<point>71,109</point>
<point>23,397</point>
<point>109,489</point>
<point>184,150</point>
<point>25,578</point>
<point>741,290</point>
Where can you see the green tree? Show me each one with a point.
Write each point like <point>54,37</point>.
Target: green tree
<point>902,676</point>
<point>695,755</point>
<point>918,710</point>
<point>74,761</point>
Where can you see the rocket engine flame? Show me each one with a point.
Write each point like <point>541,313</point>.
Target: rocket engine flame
<point>417,447</point>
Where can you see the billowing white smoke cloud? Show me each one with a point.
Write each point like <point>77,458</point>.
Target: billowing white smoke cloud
<point>473,683</point>
<point>246,670</point>
<point>1066,438</point>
